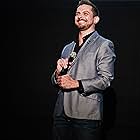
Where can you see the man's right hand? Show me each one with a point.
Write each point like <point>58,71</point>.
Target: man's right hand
<point>61,63</point>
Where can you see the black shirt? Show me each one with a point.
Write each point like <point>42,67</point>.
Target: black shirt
<point>77,47</point>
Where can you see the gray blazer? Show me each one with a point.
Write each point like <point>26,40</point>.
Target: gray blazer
<point>94,66</point>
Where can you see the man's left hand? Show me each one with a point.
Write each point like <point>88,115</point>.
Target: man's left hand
<point>66,82</point>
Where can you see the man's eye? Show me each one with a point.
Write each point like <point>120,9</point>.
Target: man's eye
<point>85,14</point>
<point>77,14</point>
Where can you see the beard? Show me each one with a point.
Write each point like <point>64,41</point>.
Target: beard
<point>82,25</point>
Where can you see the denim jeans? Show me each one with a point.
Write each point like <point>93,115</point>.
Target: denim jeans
<point>66,128</point>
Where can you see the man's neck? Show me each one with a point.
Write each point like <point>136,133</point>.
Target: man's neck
<point>82,34</point>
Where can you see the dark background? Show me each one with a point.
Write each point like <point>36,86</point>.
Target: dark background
<point>33,34</point>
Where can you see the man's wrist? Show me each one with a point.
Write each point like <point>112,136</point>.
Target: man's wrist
<point>76,84</point>
<point>80,88</point>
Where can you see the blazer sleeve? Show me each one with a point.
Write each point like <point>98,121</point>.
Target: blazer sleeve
<point>53,80</point>
<point>105,69</point>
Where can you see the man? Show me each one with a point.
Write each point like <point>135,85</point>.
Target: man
<point>81,79</point>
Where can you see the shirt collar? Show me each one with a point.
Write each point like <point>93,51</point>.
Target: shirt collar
<point>84,38</point>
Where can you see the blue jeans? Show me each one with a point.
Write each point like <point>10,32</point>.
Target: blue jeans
<point>66,128</point>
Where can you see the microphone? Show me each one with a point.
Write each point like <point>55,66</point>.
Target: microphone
<point>71,58</point>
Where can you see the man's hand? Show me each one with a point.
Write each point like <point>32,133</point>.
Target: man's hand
<point>62,63</point>
<point>66,82</point>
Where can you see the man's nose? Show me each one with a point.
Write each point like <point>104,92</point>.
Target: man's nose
<point>80,16</point>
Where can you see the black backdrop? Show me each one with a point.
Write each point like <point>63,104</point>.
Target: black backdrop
<point>33,34</point>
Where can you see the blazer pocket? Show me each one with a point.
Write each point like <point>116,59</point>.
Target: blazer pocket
<point>95,96</point>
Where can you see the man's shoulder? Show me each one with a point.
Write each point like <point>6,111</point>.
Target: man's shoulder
<point>100,42</point>
<point>103,39</point>
<point>98,38</point>
<point>68,49</point>
<point>70,44</point>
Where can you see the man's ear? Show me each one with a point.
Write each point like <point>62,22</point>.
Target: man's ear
<point>96,19</point>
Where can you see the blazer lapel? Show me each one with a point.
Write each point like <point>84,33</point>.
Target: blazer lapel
<point>90,40</point>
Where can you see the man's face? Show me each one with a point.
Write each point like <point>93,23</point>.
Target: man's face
<point>84,18</point>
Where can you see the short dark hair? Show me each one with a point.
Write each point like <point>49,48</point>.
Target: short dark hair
<point>88,2</point>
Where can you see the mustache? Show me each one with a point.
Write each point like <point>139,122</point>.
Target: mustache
<point>81,19</point>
